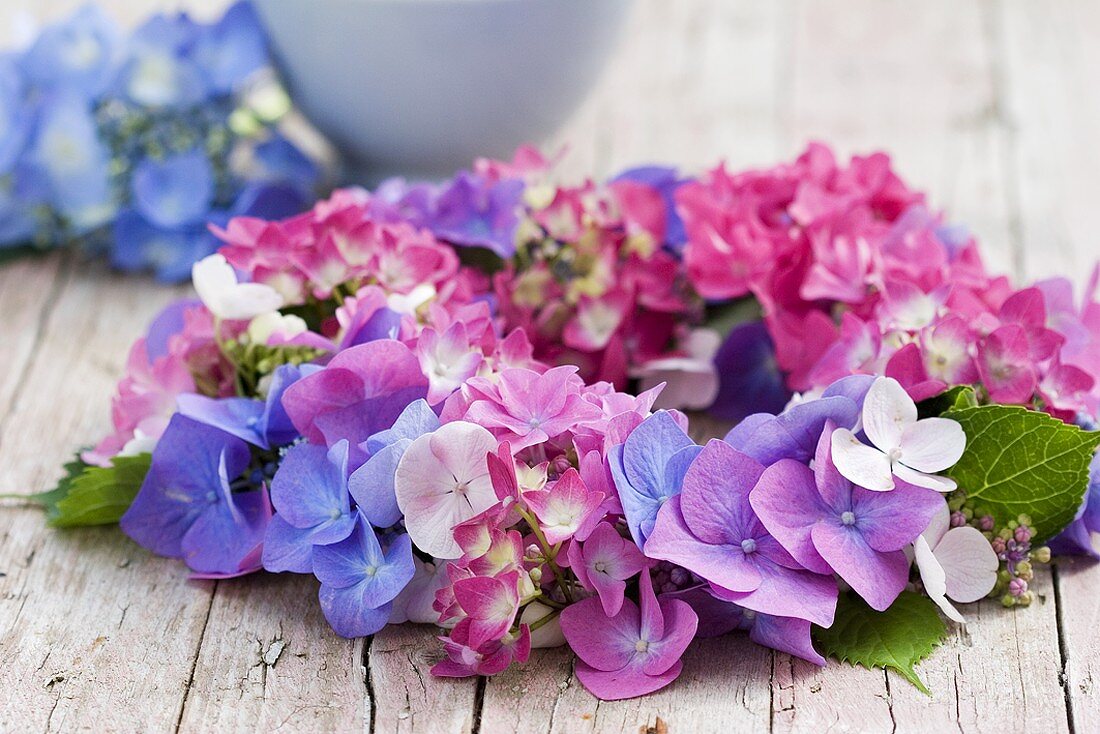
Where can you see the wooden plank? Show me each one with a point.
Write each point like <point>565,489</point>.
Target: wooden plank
<point>1050,75</point>
<point>406,697</point>
<point>28,291</point>
<point>1051,71</point>
<point>94,631</point>
<point>269,660</point>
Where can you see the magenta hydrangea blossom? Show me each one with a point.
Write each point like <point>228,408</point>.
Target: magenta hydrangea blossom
<point>711,529</point>
<point>829,525</point>
<point>631,653</point>
<point>525,407</point>
<point>604,562</point>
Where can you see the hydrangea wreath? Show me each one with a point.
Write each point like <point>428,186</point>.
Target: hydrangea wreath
<point>459,404</point>
<point>130,144</point>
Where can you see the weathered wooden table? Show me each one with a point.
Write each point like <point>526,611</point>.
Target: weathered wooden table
<point>990,105</point>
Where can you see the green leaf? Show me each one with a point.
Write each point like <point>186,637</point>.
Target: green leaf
<point>960,396</point>
<point>100,495</point>
<point>48,500</point>
<point>898,638</point>
<point>1021,461</point>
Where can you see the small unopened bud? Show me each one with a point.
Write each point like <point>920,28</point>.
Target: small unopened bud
<point>1008,600</point>
<point>986,523</point>
<point>1041,555</point>
<point>536,574</point>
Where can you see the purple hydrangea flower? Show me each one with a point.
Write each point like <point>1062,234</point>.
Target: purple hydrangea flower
<point>1077,538</point>
<point>359,581</point>
<point>360,392</point>
<point>828,525</point>
<point>631,653</point>
<point>471,211</point>
<point>793,434</point>
<point>749,377</point>
<point>310,494</point>
<point>186,507</point>
<point>649,468</point>
<point>716,618</point>
<point>711,529</point>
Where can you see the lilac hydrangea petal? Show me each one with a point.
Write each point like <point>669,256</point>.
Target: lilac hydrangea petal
<point>891,520</point>
<point>673,541</point>
<point>415,420</point>
<point>877,577</point>
<point>348,616</point>
<point>716,617</point>
<point>372,485</point>
<point>784,592</point>
<point>226,532</point>
<point>793,434</point>
<point>680,623</point>
<point>647,451</point>
<point>278,429</point>
<point>787,634</point>
<point>786,500</point>
<point>357,422</point>
<point>715,495</point>
<point>639,508</point>
<point>618,685</point>
<point>360,561</point>
<point>853,387</point>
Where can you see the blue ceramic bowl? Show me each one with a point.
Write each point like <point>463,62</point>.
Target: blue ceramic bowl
<point>421,87</point>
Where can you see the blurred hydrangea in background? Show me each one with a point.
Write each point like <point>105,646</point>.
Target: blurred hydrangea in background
<point>132,145</point>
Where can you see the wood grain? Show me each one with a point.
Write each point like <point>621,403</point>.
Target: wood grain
<point>989,105</point>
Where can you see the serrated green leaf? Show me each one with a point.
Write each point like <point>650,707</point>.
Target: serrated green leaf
<point>897,638</point>
<point>1021,461</point>
<point>100,495</point>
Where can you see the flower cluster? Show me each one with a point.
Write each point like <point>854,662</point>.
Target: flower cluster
<point>133,143</point>
<point>856,276</point>
<point>402,393</point>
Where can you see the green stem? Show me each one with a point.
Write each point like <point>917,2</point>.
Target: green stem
<point>548,553</point>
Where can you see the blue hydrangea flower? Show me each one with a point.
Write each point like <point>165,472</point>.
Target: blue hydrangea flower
<point>187,508</point>
<point>470,213</point>
<point>359,581</point>
<point>310,494</point>
<point>76,55</point>
<point>648,469</point>
<point>174,191</point>
<point>74,162</point>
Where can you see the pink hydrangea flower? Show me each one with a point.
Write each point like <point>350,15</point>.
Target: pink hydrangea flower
<point>631,653</point>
